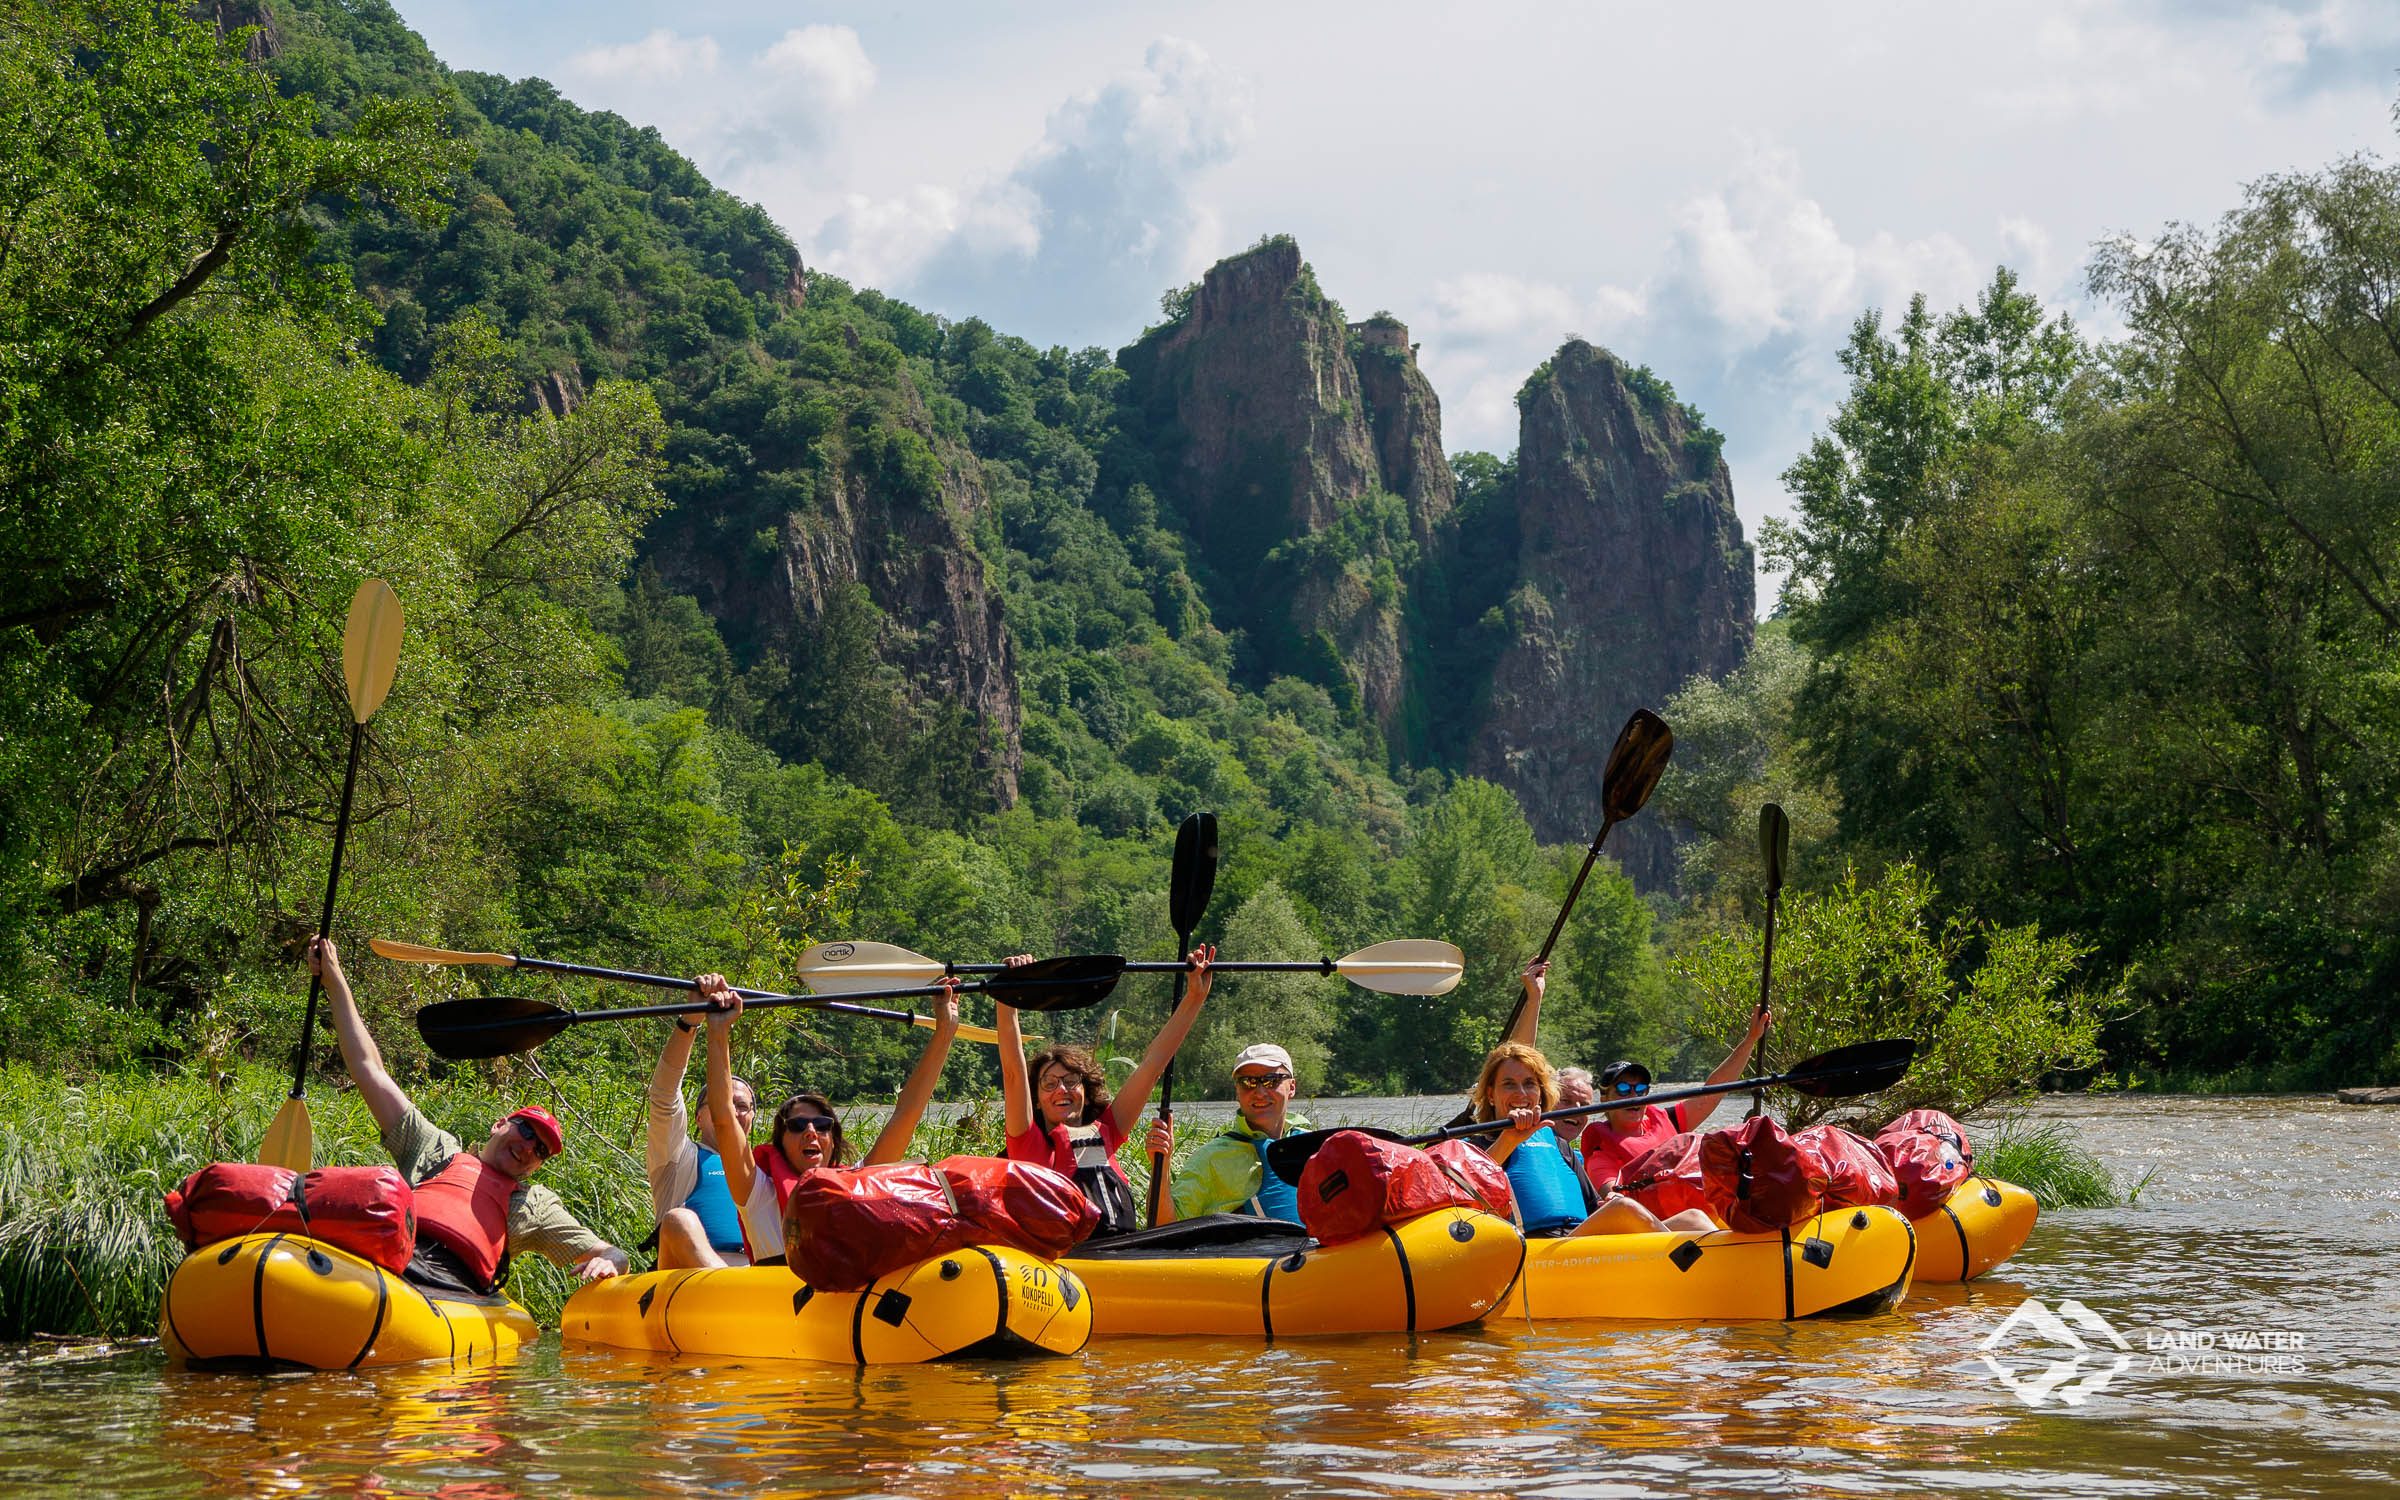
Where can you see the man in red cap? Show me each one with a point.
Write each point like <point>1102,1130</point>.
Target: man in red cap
<point>474,1208</point>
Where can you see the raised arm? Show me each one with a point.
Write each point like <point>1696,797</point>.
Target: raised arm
<point>359,1052</point>
<point>1016,1099</point>
<point>1529,1020</point>
<point>892,1143</point>
<point>1694,1111</point>
<point>667,1154</point>
<point>1127,1110</point>
<point>733,1145</point>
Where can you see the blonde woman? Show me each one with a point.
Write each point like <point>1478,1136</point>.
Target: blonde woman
<point>1553,1199</point>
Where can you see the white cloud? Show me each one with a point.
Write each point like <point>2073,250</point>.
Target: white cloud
<point>826,61</point>
<point>1086,229</point>
<point>789,100</point>
<point>660,57</point>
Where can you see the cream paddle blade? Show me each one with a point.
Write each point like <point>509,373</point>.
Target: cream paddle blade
<point>1405,966</point>
<point>417,953</point>
<point>848,968</point>
<point>291,1141</point>
<point>371,647</point>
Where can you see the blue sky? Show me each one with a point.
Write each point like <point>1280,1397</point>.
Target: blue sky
<point>1715,190</point>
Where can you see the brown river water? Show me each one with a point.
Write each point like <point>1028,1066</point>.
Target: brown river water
<point>2268,1226</point>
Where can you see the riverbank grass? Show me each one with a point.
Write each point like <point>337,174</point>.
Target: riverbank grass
<point>2049,1163</point>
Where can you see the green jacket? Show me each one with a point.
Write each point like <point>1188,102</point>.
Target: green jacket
<point>1223,1173</point>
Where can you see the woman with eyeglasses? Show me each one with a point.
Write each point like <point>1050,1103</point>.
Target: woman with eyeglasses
<point>806,1133</point>
<point>1059,1113</point>
<point>1618,1135</point>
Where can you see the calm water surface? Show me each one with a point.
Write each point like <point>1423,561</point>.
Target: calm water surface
<point>2262,1217</point>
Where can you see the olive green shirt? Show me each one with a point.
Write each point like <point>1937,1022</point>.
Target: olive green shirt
<point>537,1220</point>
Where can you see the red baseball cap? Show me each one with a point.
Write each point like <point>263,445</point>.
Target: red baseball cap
<point>543,1126</point>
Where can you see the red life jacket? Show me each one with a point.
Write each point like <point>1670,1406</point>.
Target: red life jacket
<point>465,1206</point>
<point>1607,1152</point>
<point>785,1176</point>
<point>781,1172</point>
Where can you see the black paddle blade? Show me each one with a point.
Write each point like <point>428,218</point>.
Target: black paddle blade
<point>1075,982</point>
<point>1774,844</point>
<point>1194,877</point>
<point>1288,1158</point>
<point>497,1026</point>
<point>1635,763</point>
<point>1847,1072</point>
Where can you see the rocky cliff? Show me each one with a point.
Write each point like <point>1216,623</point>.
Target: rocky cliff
<point>1305,458</point>
<point>910,541</point>
<point>1632,578</point>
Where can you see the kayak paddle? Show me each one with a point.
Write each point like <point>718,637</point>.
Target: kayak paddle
<point>1635,763</point>
<point>496,1026</point>
<point>1402,966</point>
<point>1774,843</point>
<point>370,657</point>
<point>1190,882</point>
<point>1843,1073</point>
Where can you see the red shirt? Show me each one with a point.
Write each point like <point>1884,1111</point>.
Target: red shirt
<point>1087,1153</point>
<point>1607,1152</point>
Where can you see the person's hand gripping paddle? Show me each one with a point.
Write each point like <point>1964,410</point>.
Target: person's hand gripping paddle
<point>370,655</point>
<point>1192,881</point>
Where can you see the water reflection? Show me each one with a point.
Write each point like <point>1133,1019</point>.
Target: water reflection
<point>2240,1229</point>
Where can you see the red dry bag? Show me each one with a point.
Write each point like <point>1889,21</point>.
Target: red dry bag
<point>1666,1178</point>
<point>1860,1178</point>
<point>1927,1152</point>
<point>844,1228</point>
<point>1020,1204</point>
<point>227,1199</point>
<point>1759,1178</point>
<point>1481,1176</point>
<point>368,1211</point>
<point>1356,1184</point>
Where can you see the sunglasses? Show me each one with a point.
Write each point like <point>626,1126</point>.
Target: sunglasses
<point>1624,1088</point>
<point>1262,1080</point>
<point>533,1138</point>
<point>822,1124</point>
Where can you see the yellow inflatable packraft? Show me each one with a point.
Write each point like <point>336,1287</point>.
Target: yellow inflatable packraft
<point>986,1300</point>
<point>1441,1270</point>
<point>1849,1261</point>
<point>1984,1222</point>
<point>286,1299</point>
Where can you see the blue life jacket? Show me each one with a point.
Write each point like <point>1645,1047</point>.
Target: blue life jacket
<point>712,1200</point>
<point>1549,1194</point>
<point>1277,1199</point>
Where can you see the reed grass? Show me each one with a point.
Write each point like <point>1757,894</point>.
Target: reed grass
<point>2048,1162</point>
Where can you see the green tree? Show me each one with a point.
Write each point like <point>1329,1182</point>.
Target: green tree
<point>1994,1009</point>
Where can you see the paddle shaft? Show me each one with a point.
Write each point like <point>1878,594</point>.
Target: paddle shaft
<point>1671,1096</point>
<point>1262,966</point>
<point>751,1000</point>
<point>333,884</point>
<point>1766,976</point>
<point>1590,857</point>
<point>1166,1076</point>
